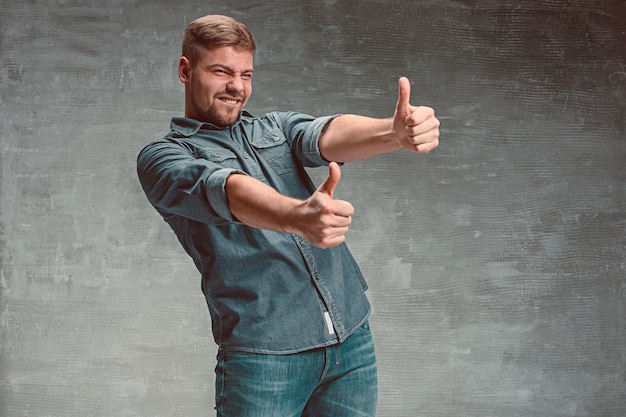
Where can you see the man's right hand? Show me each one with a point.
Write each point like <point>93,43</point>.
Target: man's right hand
<point>324,221</point>
<point>320,219</point>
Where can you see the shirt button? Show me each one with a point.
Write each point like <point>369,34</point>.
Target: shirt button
<point>245,156</point>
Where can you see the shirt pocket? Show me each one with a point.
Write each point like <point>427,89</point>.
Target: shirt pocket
<point>223,157</point>
<point>274,149</point>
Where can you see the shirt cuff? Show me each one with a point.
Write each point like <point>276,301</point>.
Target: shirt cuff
<point>216,192</point>
<point>311,146</point>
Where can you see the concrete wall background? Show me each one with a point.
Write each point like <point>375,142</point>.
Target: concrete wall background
<point>496,263</point>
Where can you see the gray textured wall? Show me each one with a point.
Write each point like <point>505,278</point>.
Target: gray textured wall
<point>496,263</point>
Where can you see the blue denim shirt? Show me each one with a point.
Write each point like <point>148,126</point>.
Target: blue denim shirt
<point>267,292</point>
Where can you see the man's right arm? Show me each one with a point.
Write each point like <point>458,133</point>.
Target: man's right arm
<point>177,183</point>
<point>320,219</point>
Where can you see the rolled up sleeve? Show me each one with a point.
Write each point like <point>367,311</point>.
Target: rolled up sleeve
<point>177,183</point>
<point>216,193</point>
<point>304,132</point>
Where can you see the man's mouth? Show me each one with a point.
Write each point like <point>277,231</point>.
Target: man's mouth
<point>230,100</point>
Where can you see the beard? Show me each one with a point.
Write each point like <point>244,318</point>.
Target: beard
<point>220,118</point>
<point>218,112</point>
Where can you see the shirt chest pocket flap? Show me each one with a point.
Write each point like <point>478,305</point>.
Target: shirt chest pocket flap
<point>274,149</point>
<point>221,156</point>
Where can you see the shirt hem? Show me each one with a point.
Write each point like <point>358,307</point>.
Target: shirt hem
<point>335,341</point>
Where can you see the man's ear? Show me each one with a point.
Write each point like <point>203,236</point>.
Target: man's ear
<point>184,69</point>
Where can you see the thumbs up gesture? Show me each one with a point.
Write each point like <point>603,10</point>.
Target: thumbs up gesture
<point>324,221</point>
<point>416,128</point>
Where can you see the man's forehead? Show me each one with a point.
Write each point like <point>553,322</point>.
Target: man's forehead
<point>225,54</point>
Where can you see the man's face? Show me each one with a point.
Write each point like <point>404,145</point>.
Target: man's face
<point>218,85</point>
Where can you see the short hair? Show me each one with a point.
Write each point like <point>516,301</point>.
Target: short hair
<point>213,31</point>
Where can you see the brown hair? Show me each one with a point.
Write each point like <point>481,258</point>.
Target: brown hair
<point>212,31</point>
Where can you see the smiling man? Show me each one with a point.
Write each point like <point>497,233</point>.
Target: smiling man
<point>286,297</point>
<point>217,84</point>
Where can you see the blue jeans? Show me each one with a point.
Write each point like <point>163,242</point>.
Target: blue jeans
<point>336,381</point>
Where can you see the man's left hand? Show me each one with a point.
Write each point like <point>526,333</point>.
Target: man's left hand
<point>416,128</point>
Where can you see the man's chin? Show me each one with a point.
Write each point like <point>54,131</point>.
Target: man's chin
<point>222,119</point>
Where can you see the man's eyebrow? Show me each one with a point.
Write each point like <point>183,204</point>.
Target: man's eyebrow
<point>228,69</point>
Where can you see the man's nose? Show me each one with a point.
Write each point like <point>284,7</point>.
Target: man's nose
<point>236,83</point>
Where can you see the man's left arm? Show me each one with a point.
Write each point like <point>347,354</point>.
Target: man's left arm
<point>351,137</point>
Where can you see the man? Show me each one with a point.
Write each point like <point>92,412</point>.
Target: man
<point>286,298</point>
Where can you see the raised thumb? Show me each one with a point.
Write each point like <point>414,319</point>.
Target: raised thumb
<point>334,175</point>
<point>404,95</point>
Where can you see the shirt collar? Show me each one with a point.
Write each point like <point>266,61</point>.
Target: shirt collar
<point>188,127</point>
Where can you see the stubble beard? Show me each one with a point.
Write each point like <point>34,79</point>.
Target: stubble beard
<point>221,114</point>
<point>221,119</point>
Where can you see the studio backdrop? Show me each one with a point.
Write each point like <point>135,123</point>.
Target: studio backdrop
<point>495,263</point>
